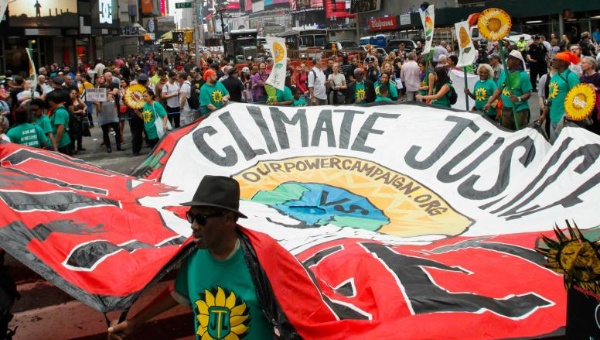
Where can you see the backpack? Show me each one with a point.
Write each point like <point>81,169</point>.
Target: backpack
<point>452,96</point>
<point>8,296</point>
<point>193,100</point>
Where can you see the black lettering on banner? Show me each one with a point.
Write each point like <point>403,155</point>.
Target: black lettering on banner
<point>467,188</point>
<point>589,154</point>
<point>337,205</point>
<point>198,136</point>
<point>425,296</point>
<point>247,150</point>
<point>280,120</point>
<point>443,147</point>
<point>445,173</point>
<point>256,114</point>
<point>346,128</point>
<point>367,128</point>
<point>324,124</point>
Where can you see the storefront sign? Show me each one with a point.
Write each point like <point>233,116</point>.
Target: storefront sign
<point>105,12</point>
<point>404,19</point>
<point>384,24</point>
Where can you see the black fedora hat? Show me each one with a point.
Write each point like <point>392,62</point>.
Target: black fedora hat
<point>219,192</point>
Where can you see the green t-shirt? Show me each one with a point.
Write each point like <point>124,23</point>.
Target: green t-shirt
<point>299,102</point>
<point>519,83</point>
<point>27,134</point>
<point>393,93</point>
<point>212,94</point>
<point>482,91</point>
<point>444,101</point>
<point>425,82</point>
<point>359,92</point>
<point>559,86</point>
<point>384,100</point>
<point>223,297</point>
<point>44,123</point>
<point>285,95</point>
<point>60,116</point>
<point>149,113</point>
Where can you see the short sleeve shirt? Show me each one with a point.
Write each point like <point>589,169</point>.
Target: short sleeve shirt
<point>27,134</point>
<point>149,113</point>
<point>222,296</point>
<point>212,94</point>
<point>559,86</point>
<point>60,116</point>
<point>482,91</point>
<point>518,84</point>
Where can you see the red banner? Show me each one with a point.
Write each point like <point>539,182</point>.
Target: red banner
<point>383,24</point>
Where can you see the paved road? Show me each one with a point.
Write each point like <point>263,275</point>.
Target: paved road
<point>45,312</point>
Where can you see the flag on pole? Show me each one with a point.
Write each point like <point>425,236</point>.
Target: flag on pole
<point>427,18</point>
<point>3,6</point>
<point>278,72</point>
<point>467,52</point>
<point>32,71</point>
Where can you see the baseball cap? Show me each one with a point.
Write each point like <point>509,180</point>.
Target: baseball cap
<point>142,77</point>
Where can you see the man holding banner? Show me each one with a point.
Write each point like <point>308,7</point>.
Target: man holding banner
<point>514,89</point>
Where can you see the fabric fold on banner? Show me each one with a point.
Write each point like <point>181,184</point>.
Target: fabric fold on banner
<point>467,51</point>
<point>428,20</point>
<point>278,72</point>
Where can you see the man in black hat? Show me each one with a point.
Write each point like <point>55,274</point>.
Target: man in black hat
<point>234,85</point>
<point>222,266</point>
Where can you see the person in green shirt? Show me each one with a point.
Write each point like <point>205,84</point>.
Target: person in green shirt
<point>37,108</point>
<point>442,87</point>
<point>561,82</point>
<point>483,90</point>
<point>382,94</point>
<point>59,118</point>
<point>25,133</point>
<point>151,109</point>
<point>285,97</point>
<point>298,97</point>
<point>514,90</point>
<point>213,93</point>
<point>384,80</point>
<point>219,280</point>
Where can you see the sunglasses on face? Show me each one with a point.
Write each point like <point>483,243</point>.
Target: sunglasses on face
<point>201,219</point>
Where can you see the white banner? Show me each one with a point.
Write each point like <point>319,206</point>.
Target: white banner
<point>279,51</point>
<point>96,95</point>
<point>458,82</point>
<point>3,6</point>
<point>452,173</point>
<point>428,20</point>
<point>467,51</point>
<point>32,71</point>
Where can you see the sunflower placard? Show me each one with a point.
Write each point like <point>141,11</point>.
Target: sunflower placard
<point>133,96</point>
<point>467,52</point>
<point>580,102</point>
<point>278,71</point>
<point>494,24</point>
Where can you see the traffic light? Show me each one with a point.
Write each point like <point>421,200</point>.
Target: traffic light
<point>178,37</point>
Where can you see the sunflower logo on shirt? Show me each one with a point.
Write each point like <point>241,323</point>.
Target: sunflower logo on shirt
<point>221,315</point>
<point>552,90</point>
<point>360,94</point>
<point>480,94</point>
<point>147,114</point>
<point>217,96</point>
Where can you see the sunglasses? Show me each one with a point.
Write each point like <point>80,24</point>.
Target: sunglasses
<point>201,219</point>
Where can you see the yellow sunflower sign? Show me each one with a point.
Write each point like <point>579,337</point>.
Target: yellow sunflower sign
<point>580,102</point>
<point>134,96</point>
<point>494,24</point>
<point>278,71</point>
